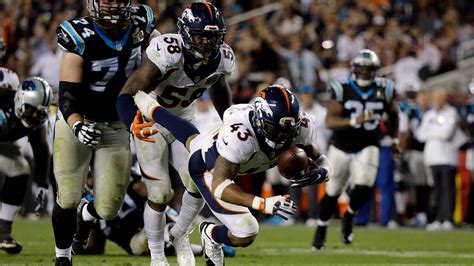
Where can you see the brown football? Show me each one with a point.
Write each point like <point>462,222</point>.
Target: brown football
<point>292,162</point>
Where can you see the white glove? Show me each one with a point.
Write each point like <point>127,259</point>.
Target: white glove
<point>146,104</point>
<point>41,198</point>
<point>86,133</point>
<point>280,205</point>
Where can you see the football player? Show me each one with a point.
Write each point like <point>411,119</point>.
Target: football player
<point>23,112</point>
<point>249,141</point>
<point>101,51</point>
<point>357,106</point>
<point>179,69</point>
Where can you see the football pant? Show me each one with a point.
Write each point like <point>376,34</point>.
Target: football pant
<point>12,160</point>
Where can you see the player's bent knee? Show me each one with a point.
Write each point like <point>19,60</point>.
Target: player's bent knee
<point>69,200</point>
<point>245,227</point>
<point>107,213</point>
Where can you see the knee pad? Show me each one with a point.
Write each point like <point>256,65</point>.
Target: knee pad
<point>244,226</point>
<point>107,213</point>
<point>159,191</point>
<point>68,200</point>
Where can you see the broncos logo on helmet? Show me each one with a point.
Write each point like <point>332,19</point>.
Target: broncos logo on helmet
<point>276,115</point>
<point>203,29</point>
<point>32,101</point>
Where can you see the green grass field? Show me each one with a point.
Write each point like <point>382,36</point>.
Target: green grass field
<point>280,246</point>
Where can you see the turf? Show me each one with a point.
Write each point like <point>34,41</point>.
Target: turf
<point>280,246</point>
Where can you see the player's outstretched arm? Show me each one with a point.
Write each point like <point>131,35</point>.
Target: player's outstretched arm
<point>145,78</point>
<point>42,154</point>
<point>225,189</point>
<point>220,96</point>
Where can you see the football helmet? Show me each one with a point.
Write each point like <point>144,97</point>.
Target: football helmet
<point>112,11</point>
<point>364,67</point>
<point>276,115</point>
<point>203,29</point>
<point>32,101</point>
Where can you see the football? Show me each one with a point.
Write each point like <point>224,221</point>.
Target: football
<point>292,162</point>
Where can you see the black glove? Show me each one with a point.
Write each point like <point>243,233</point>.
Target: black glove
<point>313,175</point>
<point>86,133</point>
<point>41,198</point>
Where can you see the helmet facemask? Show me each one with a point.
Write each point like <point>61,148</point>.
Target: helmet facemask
<point>112,15</point>
<point>202,44</point>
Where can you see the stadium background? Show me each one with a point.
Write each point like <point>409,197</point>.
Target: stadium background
<point>434,37</point>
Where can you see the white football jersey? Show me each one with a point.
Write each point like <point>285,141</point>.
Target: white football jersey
<point>8,79</point>
<point>180,86</point>
<point>237,141</point>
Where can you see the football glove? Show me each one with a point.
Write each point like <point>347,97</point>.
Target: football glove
<point>140,128</point>
<point>41,198</point>
<point>146,104</point>
<point>280,205</point>
<point>86,133</point>
<point>313,175</point>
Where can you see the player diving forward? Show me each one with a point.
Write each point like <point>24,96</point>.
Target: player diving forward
<point>179,69</point>
<point>23,112</point>
<point>249,141</point>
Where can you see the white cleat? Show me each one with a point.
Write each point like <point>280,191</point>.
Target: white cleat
<point>184,253</point>
<point>213,253</point>
<point>159,262</point>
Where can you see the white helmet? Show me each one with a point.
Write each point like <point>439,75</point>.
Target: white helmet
<point>364,67</point>
<point>32,101</point>
<point>8,79</point>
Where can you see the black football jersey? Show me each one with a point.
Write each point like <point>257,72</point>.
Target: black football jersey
<point>414,118</point>
<point>11,128</point>
<point>355,101</point>
<point>107,63</point>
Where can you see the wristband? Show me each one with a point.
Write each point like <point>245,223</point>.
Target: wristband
<point>220,188</point>
<point>258,204</point>
<point>353,122</point>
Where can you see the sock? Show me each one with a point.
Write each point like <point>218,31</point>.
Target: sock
<point>349,210</point>
<point>358,196</point>
<point>190,208</point>
<point>66,252</point>
<point>328,207</point>
<point>180,128</point>
<point>14,190</point>
<point>5,229</point>
<point>321,223</point>
<point>64,226</point>
<point>89,213</point>
<point>8,212</point>
<point>219,234</point>
<point>154,227</point>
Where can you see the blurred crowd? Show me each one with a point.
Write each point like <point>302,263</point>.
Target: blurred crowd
<point>301,44</point>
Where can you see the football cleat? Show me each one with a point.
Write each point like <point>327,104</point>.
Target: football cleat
<point>10,245</point>
<point>346,228</point>
<point>83,228</point>
<point>184,253</point>
<point>63,261</point>
<point>213,253</point>
<point>320,238</point>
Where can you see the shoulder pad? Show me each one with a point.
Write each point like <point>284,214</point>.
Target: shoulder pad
<point>337,89</point>
<point>389,87</point>
<point>8,78</point>
<point>228,58</point>
<point>236,143</point>
<point>165,51</point>
<point>143,17</point>
<point>71,37</point>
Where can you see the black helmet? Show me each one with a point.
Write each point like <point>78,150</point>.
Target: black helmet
<point>202,20</point>
<point>276,115</point>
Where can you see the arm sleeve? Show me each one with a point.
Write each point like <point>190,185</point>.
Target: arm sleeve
<point>69,94</point>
